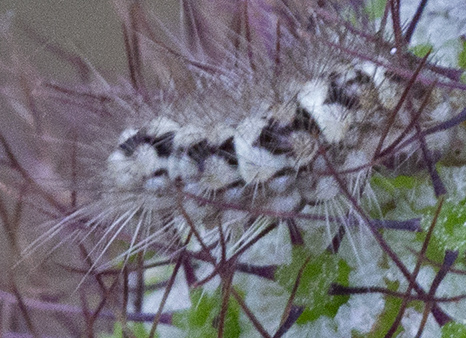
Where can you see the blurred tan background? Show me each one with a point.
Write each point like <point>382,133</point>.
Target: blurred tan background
<point>88,28</point>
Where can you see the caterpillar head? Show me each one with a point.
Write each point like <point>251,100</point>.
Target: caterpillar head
<point>142,157</point>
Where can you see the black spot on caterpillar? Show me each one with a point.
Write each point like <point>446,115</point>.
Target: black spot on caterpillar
<point>163,144</point>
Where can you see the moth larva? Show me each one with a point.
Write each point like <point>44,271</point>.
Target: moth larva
<point>248,148</point>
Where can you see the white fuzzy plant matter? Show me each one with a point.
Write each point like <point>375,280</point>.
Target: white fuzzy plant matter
<point>263,137</point>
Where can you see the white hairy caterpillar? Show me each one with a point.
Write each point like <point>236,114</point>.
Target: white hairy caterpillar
<point>269,161</point>
<point>265,156</point>
<point>237,143</point>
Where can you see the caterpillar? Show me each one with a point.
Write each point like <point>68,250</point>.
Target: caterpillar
<point>281,125</point>
<point>271,159</point>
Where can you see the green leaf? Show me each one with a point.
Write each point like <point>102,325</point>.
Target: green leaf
<point>421,50</point>
<point>393,192</point>
<point>462,57</point>
<point>117,332</point>
<point>449,232</point>
<point>316,279</point>
<point>201,319</point>
<point>463,77</point>
<point>453,330</point>
<point>394,186</point>
<point>407,182</point>
<point>375,9</point>
<point>392,307</point>
<point>139,331</point>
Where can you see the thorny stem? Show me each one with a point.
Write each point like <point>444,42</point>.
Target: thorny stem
<point>439,187</point>
<point>88,260</point>
<point>436,264</point>
<point>383,21</point>
<point>410,225</point>
<point>74,171</point>
<point>441,317</point>
<point>169,287</point>
<point>8,298</point>
<point>294,314</point>
<point>253,241</point>
<point>249,314</point>
<point>416,270</point>
<point>192,226</point>
<point>191,23</point>
<point>138,302</point>
<point>132,47</point>
<point>264,271</point>
<point>124,306</point>
<point>222,243</point>
<point>400,103</point>
<point>90,316</point>
<point>227,280</point>
<point>389,149</point>
<point>12,225</point>
<point>277,61</point>
<point>334,246</point>
<point>235,256</point>
<point>340,290</point>
<point>455,121</point>
<point>247,33</point>
<point>295,234</point>
<point>289,304</point>
<point>115,271</point>
<point>415,20</point>
<point>24,310</point>
<point>448,262</point>
<point>154,40</point>
<point>450,73</point>
<point>396,24</point>
<point>401,71</point>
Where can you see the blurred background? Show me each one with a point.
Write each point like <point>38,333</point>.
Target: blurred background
<point>90,29</point>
